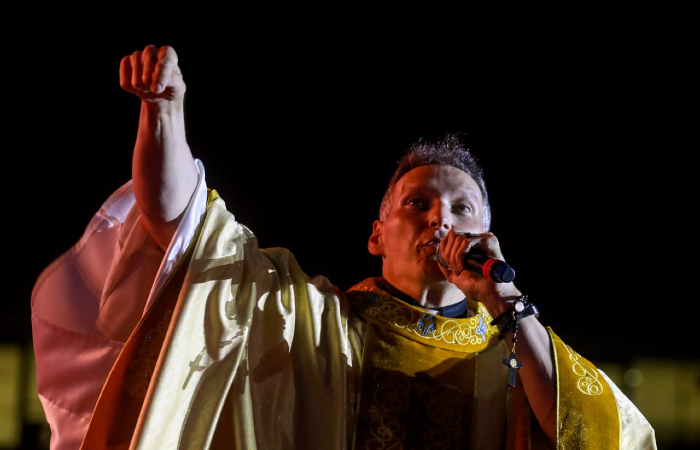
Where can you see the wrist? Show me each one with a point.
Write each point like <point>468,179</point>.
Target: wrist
<point>519,308</point>
<point>508,320</point>
<point>499,303</point>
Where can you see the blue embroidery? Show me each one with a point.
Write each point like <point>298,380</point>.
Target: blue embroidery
<point>481,328</point>
<point>431,326</point>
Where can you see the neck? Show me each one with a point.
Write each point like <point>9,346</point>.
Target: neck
<point>458,309</point>
<point>431,297</point>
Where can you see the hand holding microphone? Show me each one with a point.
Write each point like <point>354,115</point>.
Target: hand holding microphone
<point>491,268</point>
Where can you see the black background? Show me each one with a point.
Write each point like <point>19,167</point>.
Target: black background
<point>577,117</point>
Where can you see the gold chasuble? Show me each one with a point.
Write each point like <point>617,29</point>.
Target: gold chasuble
<point>428,381</point>
<point>257,355</point>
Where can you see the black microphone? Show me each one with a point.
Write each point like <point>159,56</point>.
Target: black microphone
<point>491,268</point>
<point>494,269</point>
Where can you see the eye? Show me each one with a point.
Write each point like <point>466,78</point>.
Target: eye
<point>462,209</point>
<point>417,203</point>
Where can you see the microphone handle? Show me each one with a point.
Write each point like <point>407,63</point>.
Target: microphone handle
<point>494,269</point>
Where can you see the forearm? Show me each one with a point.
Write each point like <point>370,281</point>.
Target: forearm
<point>164,173</point>
<point>538,373</point>
<point>533,350</point>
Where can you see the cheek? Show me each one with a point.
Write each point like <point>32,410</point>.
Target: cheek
<point>403,223</point>
<point>473,223</point>
<point>401,232</point>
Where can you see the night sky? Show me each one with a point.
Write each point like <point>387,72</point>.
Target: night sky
<point>573,124</point>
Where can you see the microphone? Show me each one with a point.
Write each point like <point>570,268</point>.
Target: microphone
<point>494,269</point>
<point>491,268</point>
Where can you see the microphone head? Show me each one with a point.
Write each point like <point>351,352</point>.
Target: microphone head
<point>502,273</point>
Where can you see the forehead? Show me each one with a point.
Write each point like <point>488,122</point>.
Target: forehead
<point>440,178</point>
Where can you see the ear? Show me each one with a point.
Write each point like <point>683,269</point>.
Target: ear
<point>374,245</point>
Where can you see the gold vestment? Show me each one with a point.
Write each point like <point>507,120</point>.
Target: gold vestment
<point>243,350</point>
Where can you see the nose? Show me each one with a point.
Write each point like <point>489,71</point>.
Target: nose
<point>439,219</point>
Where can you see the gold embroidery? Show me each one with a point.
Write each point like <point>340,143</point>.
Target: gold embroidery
<point>386,432</point>
<point>391,396</point>
<point>588,382</point>
<point>445,409</point>
<point>470,331</point>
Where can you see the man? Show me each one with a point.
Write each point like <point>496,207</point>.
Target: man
<point>166,326</point>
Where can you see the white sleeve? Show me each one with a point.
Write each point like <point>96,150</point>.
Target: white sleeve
<point>193,215</point>
<point>635,429</point>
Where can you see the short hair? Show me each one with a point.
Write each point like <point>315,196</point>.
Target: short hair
<point>448,150</point>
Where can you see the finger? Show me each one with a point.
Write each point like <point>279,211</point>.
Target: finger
<point>149,63</point>
<point>443,251</point>
<point>449,255</point>
<point>136,62</point>
<point>458,250</point>
<point>461,248</point>
<point>125,74</point>
<point>441,260</point>
<point>163,75</point>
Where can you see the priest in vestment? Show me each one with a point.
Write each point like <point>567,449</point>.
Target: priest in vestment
<point>197,338</point>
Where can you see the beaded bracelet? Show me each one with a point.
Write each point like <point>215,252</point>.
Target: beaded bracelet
<point>521,308</point>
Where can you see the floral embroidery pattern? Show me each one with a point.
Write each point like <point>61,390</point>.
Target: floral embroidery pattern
<point>588,382</point>
<point>469,331</point>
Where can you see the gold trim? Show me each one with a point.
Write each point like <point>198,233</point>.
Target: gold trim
<point>471,334</point>
<point>588,377</point>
